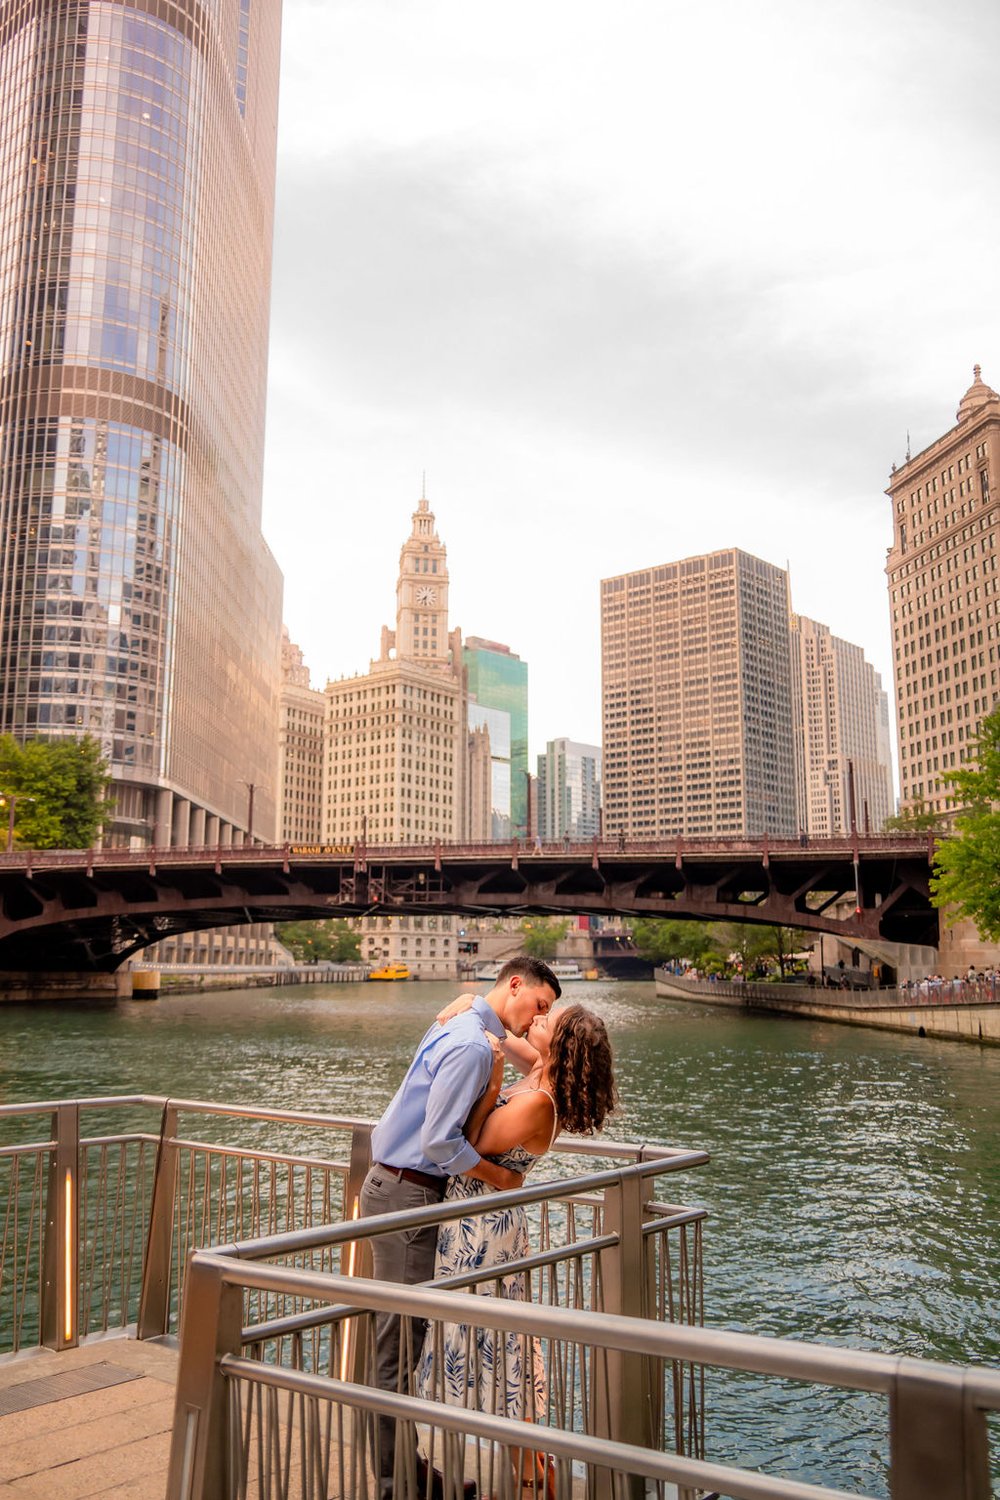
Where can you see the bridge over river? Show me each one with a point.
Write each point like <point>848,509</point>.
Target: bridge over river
<point>87,911</point>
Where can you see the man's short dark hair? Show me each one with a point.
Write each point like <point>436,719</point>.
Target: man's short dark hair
<point>531,969</point>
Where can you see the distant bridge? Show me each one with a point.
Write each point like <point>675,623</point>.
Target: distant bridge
<point>86,910</point>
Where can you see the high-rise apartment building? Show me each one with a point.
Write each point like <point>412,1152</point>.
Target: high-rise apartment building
<point>301,746</point>
<point>138,601</point>
<point>569,790</point>
<point>944,594</point>
<point>843,762</point>
<point>497,681</point>
<point>396,736</point>
<point>697,714</point>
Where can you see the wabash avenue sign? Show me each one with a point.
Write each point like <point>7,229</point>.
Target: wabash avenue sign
<point>321,849</point>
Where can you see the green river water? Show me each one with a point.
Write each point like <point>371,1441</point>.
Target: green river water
<point>853,1192</point>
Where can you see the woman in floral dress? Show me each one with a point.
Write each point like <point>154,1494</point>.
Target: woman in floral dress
<point>569,1085</point>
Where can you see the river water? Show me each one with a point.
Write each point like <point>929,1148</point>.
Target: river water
<point>853,1192</point>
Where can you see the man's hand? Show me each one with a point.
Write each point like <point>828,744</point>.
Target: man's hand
<point>498,1177</point>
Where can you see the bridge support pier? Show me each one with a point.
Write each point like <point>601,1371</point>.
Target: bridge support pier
<point>19,988</point>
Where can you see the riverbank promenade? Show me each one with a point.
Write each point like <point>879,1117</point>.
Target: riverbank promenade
<point>89,1421</point>
<point>147,1241</point>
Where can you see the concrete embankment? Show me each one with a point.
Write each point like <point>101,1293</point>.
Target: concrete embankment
<point>148,984</point>
<point>972,1020</point>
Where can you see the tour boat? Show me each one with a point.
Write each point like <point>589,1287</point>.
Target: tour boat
<point>390,971</point>
<point>565,969</point>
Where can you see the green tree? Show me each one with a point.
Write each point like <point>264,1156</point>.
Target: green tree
<point>917,817</point>
<point>761,944</point>
<point>966,877</point>
<point>541,936</point>
<point>333,941</point>
<point>660,939</point>
<point>61,791</point>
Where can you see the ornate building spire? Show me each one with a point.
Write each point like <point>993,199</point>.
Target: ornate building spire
<point>422,591</point>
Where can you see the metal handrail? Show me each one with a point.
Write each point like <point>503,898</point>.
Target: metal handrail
<point>946,1400</point>
<point>348,1230</point>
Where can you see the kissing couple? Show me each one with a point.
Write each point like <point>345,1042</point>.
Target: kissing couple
<point>452,1132</point>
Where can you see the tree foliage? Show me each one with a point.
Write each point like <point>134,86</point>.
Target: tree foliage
<point>916,817</point>
<point>711,945</point>
<point>759,945</point>
<point>661,939</point>
<point>966,876</point>
<point>334,941</point>
<point>60,787</point>
<point>541,936</point>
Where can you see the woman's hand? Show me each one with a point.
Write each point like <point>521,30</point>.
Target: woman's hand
<point>496,1076</point>
<point>456,1008</point>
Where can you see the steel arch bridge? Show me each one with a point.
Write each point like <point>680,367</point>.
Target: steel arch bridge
<point>87,910</point>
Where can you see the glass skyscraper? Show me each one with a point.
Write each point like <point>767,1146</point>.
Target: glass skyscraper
<point>138,601</point>
<point>497,680</point>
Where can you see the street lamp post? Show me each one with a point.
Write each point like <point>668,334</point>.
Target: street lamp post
<point>251,786</point>
<point>10,801</point>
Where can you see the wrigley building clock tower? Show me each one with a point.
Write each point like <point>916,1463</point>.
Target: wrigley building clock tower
<point>422,593</point>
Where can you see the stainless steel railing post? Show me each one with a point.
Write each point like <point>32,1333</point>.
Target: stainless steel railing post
<point>60,1311</point>
<point>154,1300</point>
<point>211,1324</point>
<point>623,1381</point>
<point>938,1448</point>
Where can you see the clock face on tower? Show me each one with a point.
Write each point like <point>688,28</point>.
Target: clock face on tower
<point>427,594</point>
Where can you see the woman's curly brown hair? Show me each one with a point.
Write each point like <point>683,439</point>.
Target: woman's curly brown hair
<point>580,1070</point>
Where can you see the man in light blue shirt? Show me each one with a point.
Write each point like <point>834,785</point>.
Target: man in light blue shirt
<point>419,1143</point>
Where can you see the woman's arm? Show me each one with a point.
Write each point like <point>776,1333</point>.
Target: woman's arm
<point>525,1120</point>
<point>486,1103</point>
<point>519,1051</point>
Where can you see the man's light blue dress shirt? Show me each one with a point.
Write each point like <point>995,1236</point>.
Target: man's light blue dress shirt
<point>422,1127</point>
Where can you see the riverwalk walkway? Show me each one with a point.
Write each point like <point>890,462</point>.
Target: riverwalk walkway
<point>89,1421</point>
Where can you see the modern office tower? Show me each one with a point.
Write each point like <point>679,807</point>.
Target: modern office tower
<point>569,790</point>
<point>697,715</point>
<point>138,601</point>
<point>300,750</point>
<point>497,682</point>
<point>944,596</point>
<point>843,763</point>
<point>396,736</point>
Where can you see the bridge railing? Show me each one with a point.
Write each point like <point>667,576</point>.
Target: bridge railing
<point>845,846</point>
<point>247,1425</point>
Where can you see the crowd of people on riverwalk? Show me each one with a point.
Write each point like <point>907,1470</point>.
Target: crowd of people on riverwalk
<point>978,986</point>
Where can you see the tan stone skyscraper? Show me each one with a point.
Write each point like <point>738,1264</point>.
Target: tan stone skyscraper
<point>396,742</point>
<point>696,691</point>
<point>138,601</point>
<point>841,718</point>
<point>944,594</point>
<point>301,750</point>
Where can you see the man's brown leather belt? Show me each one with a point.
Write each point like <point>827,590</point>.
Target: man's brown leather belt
<point>426,1180</point>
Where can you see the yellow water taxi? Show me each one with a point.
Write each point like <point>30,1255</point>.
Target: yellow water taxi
<point>390,971</point>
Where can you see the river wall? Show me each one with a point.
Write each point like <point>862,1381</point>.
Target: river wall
<point>888,1010</point>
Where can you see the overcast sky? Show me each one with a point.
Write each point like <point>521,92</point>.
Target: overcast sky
<point>631,280</point>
